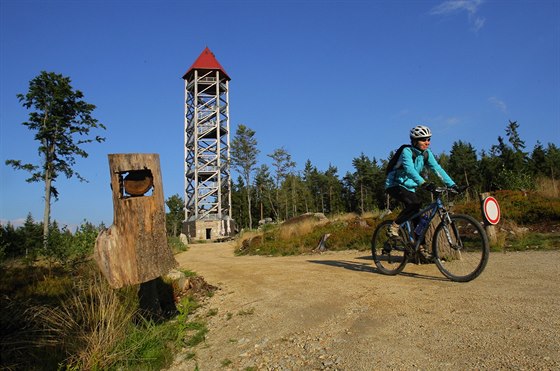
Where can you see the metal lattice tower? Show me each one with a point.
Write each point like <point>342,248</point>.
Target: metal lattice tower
<point>207,174</point>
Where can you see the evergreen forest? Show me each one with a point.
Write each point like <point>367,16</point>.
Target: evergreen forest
<point>283,192</point>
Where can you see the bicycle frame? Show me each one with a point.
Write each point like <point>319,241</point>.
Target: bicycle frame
<point>432,209</point>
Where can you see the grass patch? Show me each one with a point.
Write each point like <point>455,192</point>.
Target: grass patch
<point>188,273</point>
<point>176,245</point>
<point>196,333</point>
<point>226,362</point>
<point>534,241</point>
<point>301,235</point>
<point>246,312</point>
<point>76,321</point>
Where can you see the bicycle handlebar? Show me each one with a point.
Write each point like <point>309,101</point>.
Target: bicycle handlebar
<point>455,190</point>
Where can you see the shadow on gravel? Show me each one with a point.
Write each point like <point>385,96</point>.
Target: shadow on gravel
<point>353,266</point>
<point>423,277</point>
<point>406,274</point>
<point>363,267</point>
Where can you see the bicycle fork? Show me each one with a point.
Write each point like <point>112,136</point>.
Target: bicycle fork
<point>454,240</point>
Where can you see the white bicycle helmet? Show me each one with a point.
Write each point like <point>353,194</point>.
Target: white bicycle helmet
<point>420,131</point>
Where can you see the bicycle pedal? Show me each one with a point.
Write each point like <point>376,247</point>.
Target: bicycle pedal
<point>387,248</point>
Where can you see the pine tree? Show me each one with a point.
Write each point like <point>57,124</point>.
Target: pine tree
<point>62,121</point>
<point>244,158</point>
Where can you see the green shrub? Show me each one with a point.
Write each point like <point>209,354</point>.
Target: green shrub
<point>509,179</point>
<point>176,245</point>
<point>151,345</point>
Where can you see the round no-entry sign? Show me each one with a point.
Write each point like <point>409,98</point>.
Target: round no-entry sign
<point>491,210</point>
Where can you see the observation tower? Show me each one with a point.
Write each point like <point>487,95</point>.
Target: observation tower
<point>207,156</point>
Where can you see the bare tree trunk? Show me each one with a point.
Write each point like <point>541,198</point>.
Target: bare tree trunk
<point>247,180</point>
<point>286,209</point>
<point>47,212</point>
<point>330,199</point>
<point>272,206</point>
<point>553,181</point>
<point>48,189</point>
<point>294,196</point>
<point>362,197</point>
<point>467,182</point>
<point>278,201</point>
<point>249,208</point>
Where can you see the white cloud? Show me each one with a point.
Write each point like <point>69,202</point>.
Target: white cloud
<point>500,104</point>
<point>452,121</point>
<point>453,6</point>
<point>478,23</point>
<point>402,113</point>
<point>457,6</point>
<point>444,122</point>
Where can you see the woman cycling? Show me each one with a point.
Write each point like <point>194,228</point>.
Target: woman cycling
<point>405,177</point>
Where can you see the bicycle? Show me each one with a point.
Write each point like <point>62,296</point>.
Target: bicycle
<point>460,246</point>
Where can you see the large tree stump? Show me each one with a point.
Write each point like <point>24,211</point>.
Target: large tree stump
<point>134,249</point>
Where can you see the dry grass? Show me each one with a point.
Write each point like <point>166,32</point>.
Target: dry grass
<point>302,228</point>
<point>88,325</point>
<point>547,187</point>
<point>347,217</point>
<point>344,217</point>
<point>246,236</point>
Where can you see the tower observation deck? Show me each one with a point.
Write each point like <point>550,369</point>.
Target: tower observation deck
<point>207,156</point>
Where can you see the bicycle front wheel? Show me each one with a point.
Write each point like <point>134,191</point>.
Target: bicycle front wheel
<point>460,248</point>
<point>389,254</point>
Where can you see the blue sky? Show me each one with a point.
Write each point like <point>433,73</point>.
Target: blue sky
<point>326,80</point>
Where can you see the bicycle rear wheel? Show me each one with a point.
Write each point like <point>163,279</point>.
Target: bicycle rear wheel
<point>389,254</point>
<point>461,248</point>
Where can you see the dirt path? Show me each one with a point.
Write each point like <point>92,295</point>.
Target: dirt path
<point>333,311</point>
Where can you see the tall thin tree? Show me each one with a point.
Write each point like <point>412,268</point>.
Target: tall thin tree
<point>62,121</point>
<point>283,165</point>
<point>244,158</point>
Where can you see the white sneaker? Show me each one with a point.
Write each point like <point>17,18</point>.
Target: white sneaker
<point>393,231</point>
<point>425,254</point>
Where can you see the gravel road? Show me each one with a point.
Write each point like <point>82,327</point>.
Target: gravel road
<point>335,312</point>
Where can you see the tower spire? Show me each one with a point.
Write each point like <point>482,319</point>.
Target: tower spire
<point>206,61</point>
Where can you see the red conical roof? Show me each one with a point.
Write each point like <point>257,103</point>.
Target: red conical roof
<point>206,61</point>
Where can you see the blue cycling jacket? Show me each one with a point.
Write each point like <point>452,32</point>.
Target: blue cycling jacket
<point>408,175</point>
